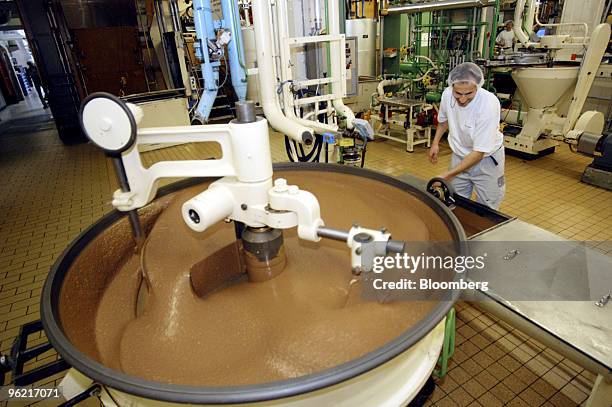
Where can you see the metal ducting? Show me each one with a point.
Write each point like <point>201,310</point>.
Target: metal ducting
<point>436,5</point>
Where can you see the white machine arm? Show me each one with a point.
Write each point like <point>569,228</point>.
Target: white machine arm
<point>285,197</point>
<point>361,261</point>
<point>245,193</point>
<point>280,206</point>
<point>143,181</point>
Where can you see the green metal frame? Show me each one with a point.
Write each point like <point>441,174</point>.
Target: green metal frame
<point>448,347</point>
<point>492,42</point>
<point>433,23</point>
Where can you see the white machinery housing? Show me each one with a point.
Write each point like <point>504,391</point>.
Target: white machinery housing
<point>545,88</point>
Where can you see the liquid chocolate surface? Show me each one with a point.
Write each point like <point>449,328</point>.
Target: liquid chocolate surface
<point>151,323</point>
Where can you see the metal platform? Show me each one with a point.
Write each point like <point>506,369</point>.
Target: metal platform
<point>578,329</point>
<point>580,324</point>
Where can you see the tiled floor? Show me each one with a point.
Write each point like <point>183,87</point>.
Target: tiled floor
<point>30,106</point>
<point>495,364</point>
<point>50,192</point>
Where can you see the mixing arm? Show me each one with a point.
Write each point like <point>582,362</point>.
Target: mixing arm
<point>258,204</point>
<point>288,206</point>
<point>365,245</point>
<point>246,192</point>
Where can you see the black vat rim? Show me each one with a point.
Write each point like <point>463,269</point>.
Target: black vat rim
<point>237,394</point>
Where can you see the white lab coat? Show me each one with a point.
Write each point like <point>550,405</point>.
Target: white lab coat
<point>475,127</point>
<point>506,38</point>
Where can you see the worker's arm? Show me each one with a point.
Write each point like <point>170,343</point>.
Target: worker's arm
<point>468,162</point>
<point>435,146</point>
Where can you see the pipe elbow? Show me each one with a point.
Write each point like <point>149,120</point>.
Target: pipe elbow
<point>521,36</point>
<point>344,110</point>
<point>286,125</point>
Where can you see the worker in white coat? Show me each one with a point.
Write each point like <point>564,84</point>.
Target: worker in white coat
<point>471,115</point>
<point>505,38</point>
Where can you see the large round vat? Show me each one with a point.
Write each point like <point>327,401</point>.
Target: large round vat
<point>301,338</point>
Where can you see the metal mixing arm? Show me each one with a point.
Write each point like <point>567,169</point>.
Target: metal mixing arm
<point>365,245</point>
<point>279,206</point>
<point>245,194</point>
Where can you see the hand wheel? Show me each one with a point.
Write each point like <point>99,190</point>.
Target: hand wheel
<point>441,189</point>
<point>108,122</point>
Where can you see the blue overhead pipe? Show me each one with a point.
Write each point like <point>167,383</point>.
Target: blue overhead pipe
<point>205,31</point>
<point>235,49</point>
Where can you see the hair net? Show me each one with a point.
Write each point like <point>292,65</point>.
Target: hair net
<point>466,72</point>
<point>508,22</point>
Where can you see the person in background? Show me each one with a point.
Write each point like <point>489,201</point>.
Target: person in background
<point>534,37</point>
<point>505,38</point>
<point>34,78</point>
<point>471,115</point>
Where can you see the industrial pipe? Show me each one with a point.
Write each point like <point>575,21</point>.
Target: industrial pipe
<point>205,30</point>
<point>388,82</point>
<point>336,64</point>
<point>520,34</point>
<point>267,80</point>
<point>532,15</point>
<point>427,59</point>
<point>287,96</point>
<point>235,50</point>
<point>483,30</point>
<point>531,10</point>
<point>583,25</point>
<point>434,6</point>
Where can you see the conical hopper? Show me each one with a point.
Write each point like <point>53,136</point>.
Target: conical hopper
<point>543,87</point>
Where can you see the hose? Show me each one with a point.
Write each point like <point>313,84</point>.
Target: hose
<point>299,153</point>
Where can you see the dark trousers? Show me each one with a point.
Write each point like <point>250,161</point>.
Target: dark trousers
<point>39,90</point>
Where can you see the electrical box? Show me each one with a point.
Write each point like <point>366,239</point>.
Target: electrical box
<point>352,67</point>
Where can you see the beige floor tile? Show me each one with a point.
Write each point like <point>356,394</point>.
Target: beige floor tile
<point>561,400</point>
<point>531,397</point>
<point>574,393</point>
<point>555,380</point>
<point>502,393</point>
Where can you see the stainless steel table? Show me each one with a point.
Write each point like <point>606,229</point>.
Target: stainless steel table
<point>543,276</point>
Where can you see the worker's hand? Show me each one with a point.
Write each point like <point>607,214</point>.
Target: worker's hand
<point>447,176</point>
<point>433,153</point>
